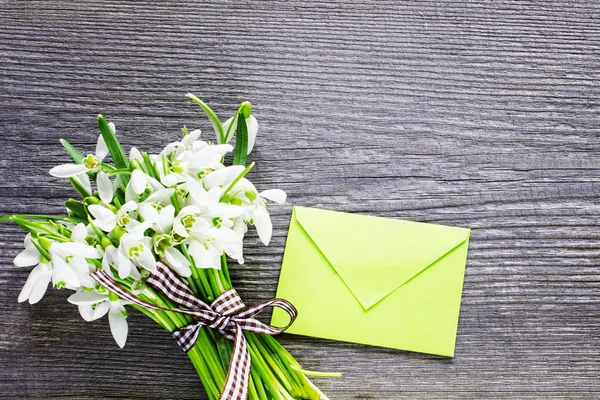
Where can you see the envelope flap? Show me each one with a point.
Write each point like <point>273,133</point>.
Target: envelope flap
<point>375,256</point>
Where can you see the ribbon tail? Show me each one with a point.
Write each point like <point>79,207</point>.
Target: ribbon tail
<point>238,375</point>
<point>187,336</point>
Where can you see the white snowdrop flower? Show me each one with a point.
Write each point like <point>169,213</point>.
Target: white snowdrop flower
<point>94,305</point>
<point>135,250</point>
<point>194,161</point>
<point>142,188</point>
<point>189,219</point>
<point>255,207</point>
<point>106,219</point>
<point>161,220</point>
<point>90,163</point>
<point>67,266</point>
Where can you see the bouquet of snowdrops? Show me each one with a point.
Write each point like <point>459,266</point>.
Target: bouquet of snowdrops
<point>184,209</point>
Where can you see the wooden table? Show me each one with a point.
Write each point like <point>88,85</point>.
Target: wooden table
<point>476,114</point>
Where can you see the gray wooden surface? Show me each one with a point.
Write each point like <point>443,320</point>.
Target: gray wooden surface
<point>472,113</point>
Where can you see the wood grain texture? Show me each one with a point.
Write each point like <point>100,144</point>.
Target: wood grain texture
<point>471,113</point>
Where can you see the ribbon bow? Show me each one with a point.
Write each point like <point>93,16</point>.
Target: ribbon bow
<point>227,314</point>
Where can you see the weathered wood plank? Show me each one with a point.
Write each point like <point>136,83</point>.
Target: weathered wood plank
<point>465,113</point>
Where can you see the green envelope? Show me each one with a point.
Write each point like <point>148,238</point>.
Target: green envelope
<point>372,280</point>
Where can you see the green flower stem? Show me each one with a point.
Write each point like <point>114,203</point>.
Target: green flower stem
<point>204,282</point>
<point>272,347</point>
<point>226,279</point>
<point>83,193</point>
<point>291,365</point>
<point>317,373</point>
<point>200,363</point>
<point>212,279</point>
<point>217,278</point>
<point>192,279</point>
<point>33,226</point>
<point>277,391</point>
<point>41,216</point>
<point>259,384</point>
<point>201,370</point>
<point>267,359</point>
<point>252,394</point>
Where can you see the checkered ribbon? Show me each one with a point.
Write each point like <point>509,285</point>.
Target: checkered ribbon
<point>227,314</point>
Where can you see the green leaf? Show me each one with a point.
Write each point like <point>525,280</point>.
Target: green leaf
<point>77,208</point>
<point>73,152</point>
<point>212,116</point>
<point>114,147</point>
<point>241,142</point>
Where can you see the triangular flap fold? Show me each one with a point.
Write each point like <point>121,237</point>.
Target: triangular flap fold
<point>375,256</point>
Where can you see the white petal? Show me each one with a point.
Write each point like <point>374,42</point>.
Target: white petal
<point>222,177</point>
<point>138,231</point>
<point>166,217</point>
<point>67,170</point>
<point>86,298</point>
<point>125,266</point>
<point>240,227</point>
<point>105,187</point>
<point>213,153</point>
<point>118,324</point>
<point>179,229</point>
<point>100,212</point>
<point>191,138</point>
<point>138,181</point>
<point>178,262</point>
<point>129,206</point>
<point>28,257</point>
<point>79,264</point>
<point>134,154</point>
<point>149,213</point>
<point>105,218</point>
<point>86,312</point>
<point>86,280</point>
<point>39,288</point>
<point>199,254</point>
<point>146,259</point>
<point>79,233</point>
<point>263,225</point>
<point>276,195</point>
<point>228,211</point>
<point>252,125</point>
<point>101,147</point>
<point>84,250</point>
<point>197,192</point>
<point>101,310</point>
<point>172,179</point>
<point>62,272</point>
<point>84,179</point>
<point>200,226</point>
<point>160,196</point>
<point>32,279</point>
<point>106,225</point>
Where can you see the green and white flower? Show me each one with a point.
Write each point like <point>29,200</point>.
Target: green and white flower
<point>93,305</point>
<point>90,163</point>
<point>106,219</point>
